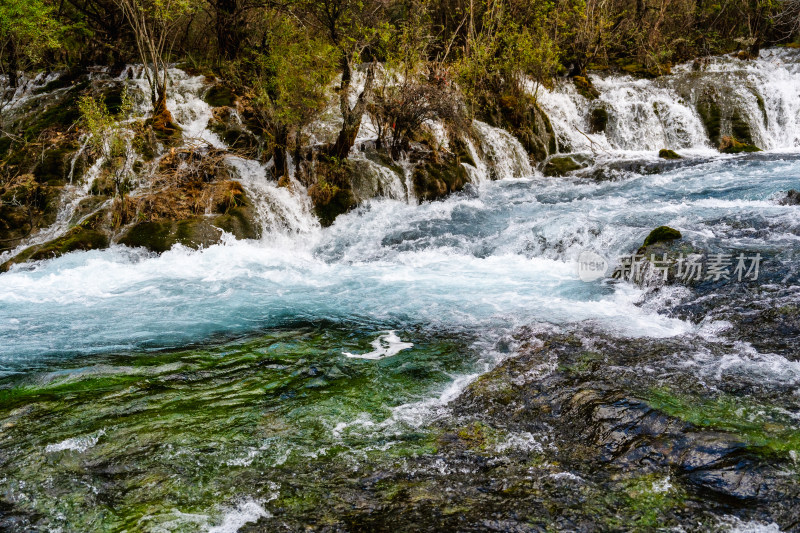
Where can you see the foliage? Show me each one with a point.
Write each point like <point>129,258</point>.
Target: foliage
<point>108,138</point>
<point>28,29</point>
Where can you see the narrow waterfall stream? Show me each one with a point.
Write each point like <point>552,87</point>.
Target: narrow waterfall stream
<point>345,370</point>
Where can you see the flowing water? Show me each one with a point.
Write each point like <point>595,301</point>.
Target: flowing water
<point>208,389</point>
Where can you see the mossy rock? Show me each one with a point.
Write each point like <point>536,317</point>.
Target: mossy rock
<point>195,232</point>
<point>78,238</point>
<point>729,145</point>
<point>220,96</point>
<point>434,180</point>
<point>598,120</point>
<point>662,234</point>
<point>54,166</point>
<point>231,132</point>
<point>585,87</point>
<point>238,221</point>
<point>523,118</point>
<point>668,154</point>
<point>561,166</point>
<point>61,112</point>
<point>711,116</point>
<point>740,129</point>
<point>341,202</point>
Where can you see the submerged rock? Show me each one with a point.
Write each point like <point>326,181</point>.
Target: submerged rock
<point>792,198</point>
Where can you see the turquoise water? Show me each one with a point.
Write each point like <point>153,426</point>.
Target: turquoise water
<point>198,388</point>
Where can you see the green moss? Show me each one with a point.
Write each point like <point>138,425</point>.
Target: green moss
<point>662,234</point>
<point>598,120</point>
<point>585,87</point>
<point>712,117</point>
<point>765,429</point>
<point>561,166</point>
<point>730,145</point>
<point>162,235</point>
<point>668,154</point>
<point>78,238</point>
<point>219,96</point>
<point>649,498</point>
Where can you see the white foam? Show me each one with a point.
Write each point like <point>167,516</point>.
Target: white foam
<point>78,444</point>
<point>245,512</point>
<point>385,346</point>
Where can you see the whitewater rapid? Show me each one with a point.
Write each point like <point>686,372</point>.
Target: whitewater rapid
<point>498,258</point>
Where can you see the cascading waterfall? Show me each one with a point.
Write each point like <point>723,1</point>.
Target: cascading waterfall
<point>506,155</point>
<point>647,115</point>
<point>281,210</point>
<point>321,372</point>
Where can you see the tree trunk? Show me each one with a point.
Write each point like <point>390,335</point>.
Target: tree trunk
<point>228,28</point>
<point>351,117</point>
<point>162,120</point>
<point>13,66</point>
<point>298,138</point>
<point>281,168</point>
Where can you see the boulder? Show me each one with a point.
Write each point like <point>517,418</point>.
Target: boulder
<point>598,120</point>
<point>562,165</point>
<point>668,154</point>
<point>729,145</point>
<point>662,234</point>
<point>792,198</point>
<point>78,238</point>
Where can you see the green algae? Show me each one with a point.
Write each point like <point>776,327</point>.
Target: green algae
<point>766,429</point>
<point>188,431</point>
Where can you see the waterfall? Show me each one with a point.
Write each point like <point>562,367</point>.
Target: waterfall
<point>505,153</point>
<point>281,210</point>
<point>479,173</point>
<point>647,115</point>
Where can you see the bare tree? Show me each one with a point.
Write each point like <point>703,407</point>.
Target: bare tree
<point>155,24</point>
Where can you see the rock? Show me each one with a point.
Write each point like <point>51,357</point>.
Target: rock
<point>711,115</point>
<point>220,96</point>
<point>78,238</point>
<point>373,175</point>
<point>435,178</point>
<point>598,120</point>
<point>25,206</point>
<point>159,237</point>
<point>561,166</point>
<point>236,136</point>
<point>792,198</point>
<point>331,190</point>
<point>585,87</point>
<point>668,154</point>
<point>523,118</point>
<point>662,234</point>
<point>729,145</point>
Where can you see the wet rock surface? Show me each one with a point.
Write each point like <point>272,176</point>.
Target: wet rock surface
<point>577,432</point>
